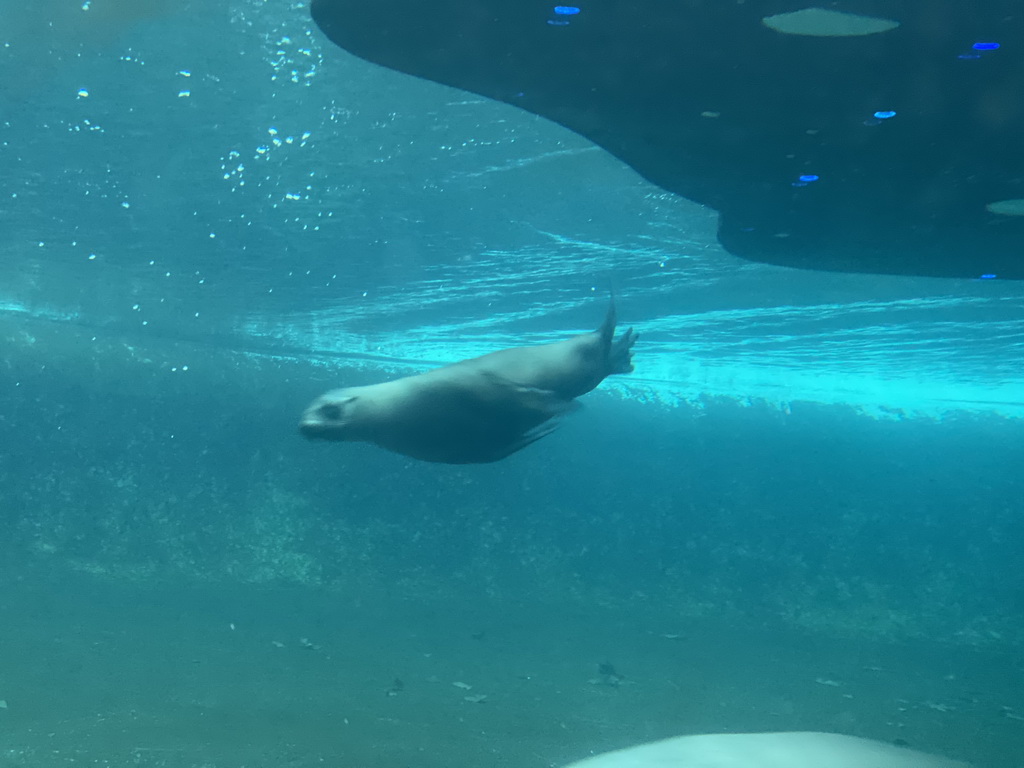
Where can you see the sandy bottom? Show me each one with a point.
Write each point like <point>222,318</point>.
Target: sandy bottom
<point>111,674</point>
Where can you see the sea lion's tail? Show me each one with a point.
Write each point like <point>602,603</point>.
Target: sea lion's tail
<point>620,350</point>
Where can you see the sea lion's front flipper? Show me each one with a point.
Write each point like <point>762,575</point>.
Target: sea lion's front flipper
<point>494,416</point>
<point>513,396</point>
<point>536,413</point>
<point>532,436</point>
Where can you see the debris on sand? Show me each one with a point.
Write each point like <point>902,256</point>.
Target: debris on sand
<point>607,675</point>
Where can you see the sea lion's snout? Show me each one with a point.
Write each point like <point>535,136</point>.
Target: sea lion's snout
<point>312,430</point>
<point>327,417</point>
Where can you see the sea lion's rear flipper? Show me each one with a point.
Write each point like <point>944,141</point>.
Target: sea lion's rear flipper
<point>619,352</point>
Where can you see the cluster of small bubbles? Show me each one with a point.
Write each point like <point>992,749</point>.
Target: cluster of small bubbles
<point>336,113</point>
<point>87,125</point>
<point>184,93</point>
<point>805,178</point>
<point>237,171</point>
<point>298,65</point>
<point>83,93</point>
<point>232,169</point>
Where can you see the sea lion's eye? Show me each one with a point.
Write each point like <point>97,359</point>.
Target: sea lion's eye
<point>331,412</point>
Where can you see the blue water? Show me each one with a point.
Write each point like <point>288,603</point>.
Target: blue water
<point>234,175</point>
<point>800,512</point>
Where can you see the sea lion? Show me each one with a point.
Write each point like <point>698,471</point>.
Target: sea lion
<point>475,411</point>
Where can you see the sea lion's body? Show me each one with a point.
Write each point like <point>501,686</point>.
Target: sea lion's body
<point>478,410</point>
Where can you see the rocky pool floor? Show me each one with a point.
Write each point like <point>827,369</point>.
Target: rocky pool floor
<point>98,672</point>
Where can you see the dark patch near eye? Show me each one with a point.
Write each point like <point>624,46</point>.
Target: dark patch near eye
<point>331,412</point>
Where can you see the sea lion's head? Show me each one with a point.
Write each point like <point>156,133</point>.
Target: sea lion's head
<point>332,416</point>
